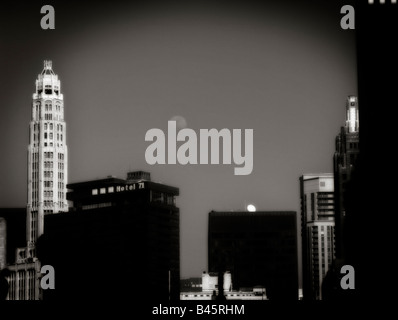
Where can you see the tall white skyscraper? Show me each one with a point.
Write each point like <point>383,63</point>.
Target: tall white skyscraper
<point>47,179</point>
<point>47,154</point>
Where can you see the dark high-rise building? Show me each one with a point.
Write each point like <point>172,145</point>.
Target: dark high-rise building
<point>258,248</point>
<point>345,156</point>
<point>119,240</point>
<point>369,236</point>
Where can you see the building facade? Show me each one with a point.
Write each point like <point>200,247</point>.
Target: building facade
<point>258,248</point>
<point>124,236</point>
<point>12,234</point>
<point>344,160</point>
<point>317,231</point>
<point>208,289</point>
<point>47,154</point>
<point>47,180</point>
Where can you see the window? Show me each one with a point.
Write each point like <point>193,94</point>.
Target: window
<point>51,126</point>
<point>103,190</point>
<point>157,196</point>
<point>111,189</point>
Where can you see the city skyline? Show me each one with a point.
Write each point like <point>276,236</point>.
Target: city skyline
<point>218,78</point>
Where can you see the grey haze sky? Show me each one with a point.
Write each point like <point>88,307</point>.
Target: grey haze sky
<point>282,70</point>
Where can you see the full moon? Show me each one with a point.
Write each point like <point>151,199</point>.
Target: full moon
<point>251,208</point>
<point>180,122</point>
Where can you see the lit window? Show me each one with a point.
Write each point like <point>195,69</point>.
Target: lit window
<point>94,192</point>
<point>103,190</point>
<point>111,189</point>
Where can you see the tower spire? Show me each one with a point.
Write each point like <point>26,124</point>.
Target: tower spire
<point>48,64</point>
<point>352,118</point>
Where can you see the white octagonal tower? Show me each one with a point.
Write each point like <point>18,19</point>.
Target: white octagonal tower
<point>47,154</point>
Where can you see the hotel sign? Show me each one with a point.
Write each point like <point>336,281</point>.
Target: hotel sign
<point>129,187</point>
<point>119,188</point>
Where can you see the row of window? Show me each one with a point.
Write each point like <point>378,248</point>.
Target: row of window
<point>48,164</point>
<point>51,126</point>
<point>97,205</point>
<point>161,197</point>
<point>354,145</point>
<point>48,174</point>
<point>49,203</point>
<point>49,194</point>
<point>51,144</point>
<point>47,91</point>
<point>50,136</point>
<point>46,128</point>
<point>47,155</point>
<point>48,107</point>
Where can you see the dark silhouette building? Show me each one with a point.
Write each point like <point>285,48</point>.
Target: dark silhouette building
<point>119,241</point>
<point>12,234</point>
<point>258,248</point>
<point>344,162</point>
<point>369,237</point>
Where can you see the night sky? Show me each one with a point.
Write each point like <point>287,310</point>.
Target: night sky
<point>283,70</point>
